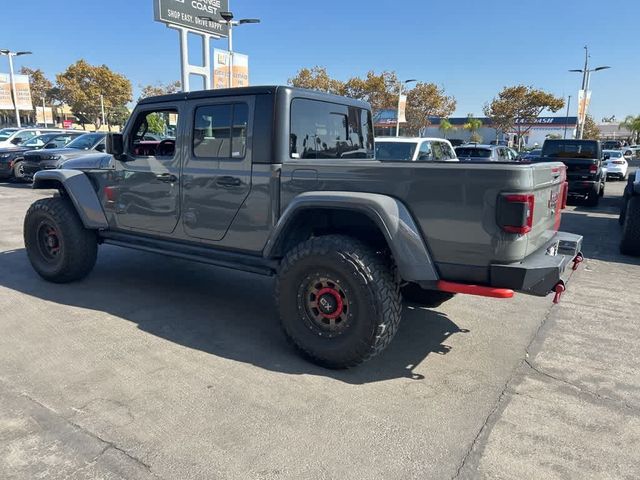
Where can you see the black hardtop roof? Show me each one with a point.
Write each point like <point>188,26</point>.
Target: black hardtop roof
<point>257,90</point>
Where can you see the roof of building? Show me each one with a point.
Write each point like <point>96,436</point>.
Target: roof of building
<point>388,116</point>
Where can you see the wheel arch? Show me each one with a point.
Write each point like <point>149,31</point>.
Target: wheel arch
<point>373,218</point>
<point>77,186</point>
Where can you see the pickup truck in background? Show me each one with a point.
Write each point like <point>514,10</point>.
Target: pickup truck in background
<point>585,171</point>
<point>283,181</point>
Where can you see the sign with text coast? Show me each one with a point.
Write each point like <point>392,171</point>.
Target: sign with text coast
<point>195,15</point>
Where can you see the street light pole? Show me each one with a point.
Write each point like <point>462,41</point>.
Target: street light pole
<point>14,92</point>
<point>586,80</point>
<point>566,120</point>
<point>399,101</point>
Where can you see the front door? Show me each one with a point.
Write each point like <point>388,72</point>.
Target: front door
<point>216,176</point>
<point>147,187</point>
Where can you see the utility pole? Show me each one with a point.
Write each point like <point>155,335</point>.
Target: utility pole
<point>14,92</point>
<point>566,119</point>
<point>102,108</point>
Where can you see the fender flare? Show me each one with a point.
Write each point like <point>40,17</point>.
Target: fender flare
<point>81,192</point>
<point>390,215</point>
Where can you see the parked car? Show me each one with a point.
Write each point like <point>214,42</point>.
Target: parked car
<point>616,164</point>
<point>37,160</point>
<point>11,158</point>
<point>283,181</point>
<point>21,135</point>
<point>472,152</point>
<point>531,155</point>
<point>612,145</point>
<point>630,217</point>
<point>585,170</point>
<point>414,149</point>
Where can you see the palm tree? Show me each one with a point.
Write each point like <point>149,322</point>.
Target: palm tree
<point>473,125</point>
<point>632,124</point>
<point>446,126</point>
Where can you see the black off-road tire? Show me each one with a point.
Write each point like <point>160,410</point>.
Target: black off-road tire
<point>368,284</point>
<point>594,197</point>
<point>413,293</point>
<point>630,243</point>
<point>59,248</point>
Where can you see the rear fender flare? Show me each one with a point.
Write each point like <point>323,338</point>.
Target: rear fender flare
<point>81,192</point>
<point>390,215</point>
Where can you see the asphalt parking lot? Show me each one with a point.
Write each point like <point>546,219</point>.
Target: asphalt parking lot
<point>156,368</point>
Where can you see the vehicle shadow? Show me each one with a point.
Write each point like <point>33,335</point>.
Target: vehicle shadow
<point>600,228</point>
<point>222,312</point>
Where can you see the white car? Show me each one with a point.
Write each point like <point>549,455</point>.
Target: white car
<point>615,163</point>
<point>414,149</point>
<point>13,137</point>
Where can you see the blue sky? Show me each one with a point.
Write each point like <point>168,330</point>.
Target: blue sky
<point>470,47</point>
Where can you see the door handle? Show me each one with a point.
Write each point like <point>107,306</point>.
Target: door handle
<point>167,177</point>
<point>229,181</point>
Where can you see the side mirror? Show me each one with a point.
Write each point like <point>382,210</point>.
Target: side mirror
<point>606,156</point>
<point>50,145</point>
<point>100,147</point>
<point>17,140</point>
<point>114,145</point>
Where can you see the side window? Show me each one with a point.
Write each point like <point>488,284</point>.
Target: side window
<point>448,151</point>
<point>425,153</point>
<point>438,154</point>
<point>220,131</point>
<point>160,123</point>
<point>323,130</point>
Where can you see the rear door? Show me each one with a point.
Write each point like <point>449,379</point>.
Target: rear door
<point>216,176</point>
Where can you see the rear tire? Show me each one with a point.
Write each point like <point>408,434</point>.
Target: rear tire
<point>339,301</point>
<point>594,196</point>
<point>630,243</point>
<point>413,293</point>
<point>59,248</point>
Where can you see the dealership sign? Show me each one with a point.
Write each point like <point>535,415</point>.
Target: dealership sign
<point>196,15</point>
<point>23,92</point>
<point>221,62</point>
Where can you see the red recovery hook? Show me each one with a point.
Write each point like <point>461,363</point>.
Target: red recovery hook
<point>559,289</point>
<point>577,261</point>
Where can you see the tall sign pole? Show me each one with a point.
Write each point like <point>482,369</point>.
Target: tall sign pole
<point>200,18</point>
<point>14,92</point>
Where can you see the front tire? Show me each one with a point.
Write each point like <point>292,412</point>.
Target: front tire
<point>339,300</point>
<point>59,248</point>
<point>18,172</point>
<point>630,243</point>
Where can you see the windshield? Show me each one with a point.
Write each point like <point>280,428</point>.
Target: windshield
<point>614,154</point>
<point>3,138</point>
<point>86,141</point>
<point>395,151</point>
<point>570,149</point>
<point>473,152</point>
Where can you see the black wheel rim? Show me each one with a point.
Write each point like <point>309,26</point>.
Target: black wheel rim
<point>49,242</point>
<point>325,305</point>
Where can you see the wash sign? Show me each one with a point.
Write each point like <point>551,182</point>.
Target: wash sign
<point>189,14</point>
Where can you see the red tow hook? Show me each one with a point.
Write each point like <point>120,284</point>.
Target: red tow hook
<point>577,261</point>
<point>559,289</point>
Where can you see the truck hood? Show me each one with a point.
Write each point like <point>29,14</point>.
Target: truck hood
<point>89,161</point>
<point>62,153</point>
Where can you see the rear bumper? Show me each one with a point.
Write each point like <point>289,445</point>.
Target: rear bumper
<point>582,188</point>
<point>541,272</point>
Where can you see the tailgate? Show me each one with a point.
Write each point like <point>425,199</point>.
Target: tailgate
<point>579,168</point>
<point>549,180</point>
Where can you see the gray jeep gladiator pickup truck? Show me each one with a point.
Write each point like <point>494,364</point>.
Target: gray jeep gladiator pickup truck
<point>283,181</point>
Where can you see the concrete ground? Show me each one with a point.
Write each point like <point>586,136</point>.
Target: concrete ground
<point>156,368</point>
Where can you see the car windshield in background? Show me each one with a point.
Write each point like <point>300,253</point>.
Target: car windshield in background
<point>3,137</point>
<point>614,154</point>
<point>40,140</point>
<point>395,151</point>
<point>473,152</point>
<point>85,142</point>
<point>570,149</point>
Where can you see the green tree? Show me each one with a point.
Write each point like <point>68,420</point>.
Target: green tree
<point>591,130</point>
<point>446,126</point>
<point>631,123</point>
<point>379,89</point>
<point>518,107</point>
<point>424,101</point>
<point>82,84</point>
<point>317,78</point>
<point>473,125</point>
<point>156,123</point>
<point>118,116</point>
<point>159,89</point>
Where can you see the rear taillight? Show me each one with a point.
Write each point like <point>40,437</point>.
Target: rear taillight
<point>593,169</point>
<point>619,162</point>
<point>565,195</point>
<point>515,213</point>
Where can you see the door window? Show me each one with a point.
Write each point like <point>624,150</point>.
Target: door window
<point>438,153</point>
<point>220,131</point>
<point>161,124</point>
<point>425,153</point>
